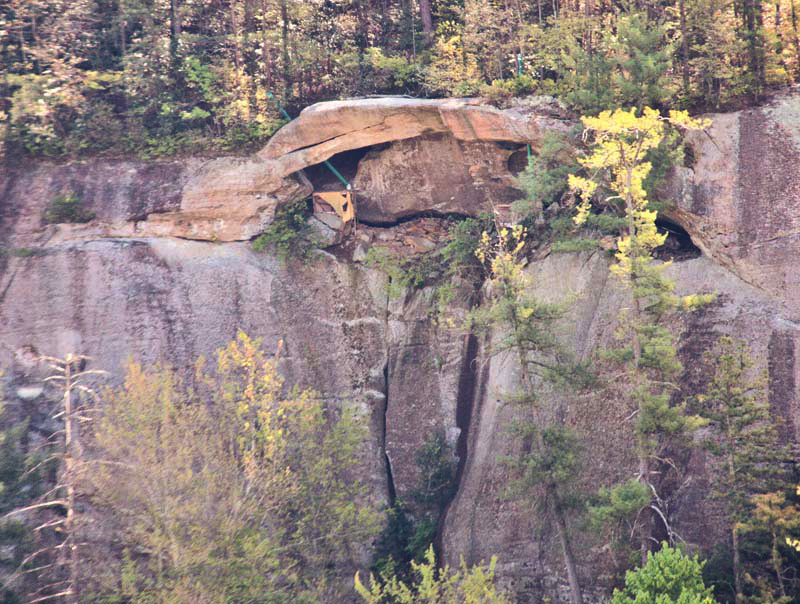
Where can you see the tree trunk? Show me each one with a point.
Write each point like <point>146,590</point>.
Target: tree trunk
<point>796,38</point>
<point>777,566</point>
<point>737,566</point>
<point>174,35</point>
<point>122,34</point>
<point>576,597</point>
<point>250,63</point>
<point>646,528</point>
<point>69,480</point>
<point>287,79</point>
<point>684,48</point>
<point>566,549</point>
<point>427,18</point>
<point>737,560</point>
<point>362,41</point>
<point>753,22</point>
<point>237,43</point>
<point>760,43</point>
<point>266,50</point>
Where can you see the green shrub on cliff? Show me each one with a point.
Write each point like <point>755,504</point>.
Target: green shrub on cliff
<point>669,577</point>
<point>67,208</point>
<point>288,235</point>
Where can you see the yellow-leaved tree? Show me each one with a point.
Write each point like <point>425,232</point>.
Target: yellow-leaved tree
<point>232,489</point>
<point>618,163</point>
<point>436,585</point>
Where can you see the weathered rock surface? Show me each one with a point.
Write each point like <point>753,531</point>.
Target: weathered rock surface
<point>325,129</point>
<point>226,199</point>
<point>128,284</point>
<point>426,365</point>
<point>740,199</point>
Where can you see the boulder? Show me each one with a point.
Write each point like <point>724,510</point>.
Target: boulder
<point>324,233</point>
<point>433,173</point>
<point>228,199</point>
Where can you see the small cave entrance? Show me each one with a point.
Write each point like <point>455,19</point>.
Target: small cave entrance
<point>346,162</point>
<point>678,245</point>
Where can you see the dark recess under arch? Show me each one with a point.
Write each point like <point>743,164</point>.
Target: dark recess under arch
<point>345,162</point>
<point>679,245</point>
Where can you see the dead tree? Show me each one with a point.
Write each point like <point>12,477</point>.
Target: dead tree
<point>53,565</point>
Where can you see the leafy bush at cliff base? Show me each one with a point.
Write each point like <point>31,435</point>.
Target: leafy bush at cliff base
<point>236,490</point>
<point>669,577</point>
<point>435,585</point>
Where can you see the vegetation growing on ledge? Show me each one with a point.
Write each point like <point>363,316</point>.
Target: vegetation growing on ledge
<point>68,208</point>
<point>288,235</point>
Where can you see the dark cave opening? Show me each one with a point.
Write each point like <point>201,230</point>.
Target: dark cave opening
<point>345,162</point>
<point>678,245</point>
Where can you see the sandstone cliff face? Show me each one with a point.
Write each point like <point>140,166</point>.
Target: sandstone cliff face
<point>163,274</point>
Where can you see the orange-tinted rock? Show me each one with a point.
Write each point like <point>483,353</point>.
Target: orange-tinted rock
<point>325,129</point>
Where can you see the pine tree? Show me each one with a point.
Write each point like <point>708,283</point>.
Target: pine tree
<point>753,476</point>
<point>546,472</point>
<point>619,160</point>
<point>643,60</point>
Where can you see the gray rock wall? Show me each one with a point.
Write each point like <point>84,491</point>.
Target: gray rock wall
<point>112,291</point>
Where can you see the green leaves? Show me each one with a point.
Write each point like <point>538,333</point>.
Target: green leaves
<point>617,505</point>
<point>235,491</point>
<point>67,208</point>
<point>288,235</point>
<point>669,577</point>
<point>643,55</point>
<point>434,585</point>
<point>553,464</point>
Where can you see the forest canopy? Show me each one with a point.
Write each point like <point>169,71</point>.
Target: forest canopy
<point>158,77</point>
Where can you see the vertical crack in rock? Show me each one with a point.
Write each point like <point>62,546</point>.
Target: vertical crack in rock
<point>389,475</point>
<point>781,363</point>
<point>468,382</point>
